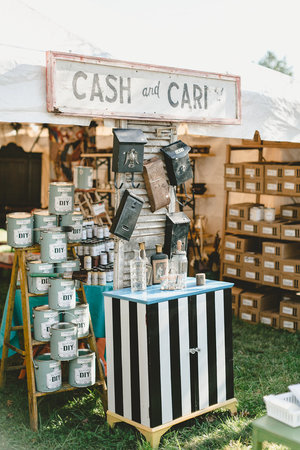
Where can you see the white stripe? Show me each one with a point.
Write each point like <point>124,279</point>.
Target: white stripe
<point>125,355</point>
<point>165,364</point>
<point>184,355</point>
<point>109,353</point>
<point>220,346</point>
<point>202,355</point>
<point>143,364</point>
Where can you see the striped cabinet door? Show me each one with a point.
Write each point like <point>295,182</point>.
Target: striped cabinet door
<point>169,359</point>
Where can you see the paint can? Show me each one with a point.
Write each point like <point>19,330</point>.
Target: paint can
<point>43,319</point>
<point>53,246</point>
<point>83,177</point>
<point>63,341</point>
<point>257,213</point>
<point>82,370</point>
<point>71,265</point>
<point>74,220</point>
<point>47,373</point>
<point>42,219</point>
<point>61,198</point>
<point>38,285</point>
<point>61,294</point>
<point>19,229</point>
<point>81,317</point>
<point>269,214</point>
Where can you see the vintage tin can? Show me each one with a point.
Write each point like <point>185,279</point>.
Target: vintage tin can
<point>83,177</point>
<point>61,198</point>
<point>63,341</point>
<point>61,294</point>
<point>38,285</point>
<point>82,370</point>
<point>74,220</point>
<point>81,317</point>
<point>47,373</point>
<point>53,246</point>
<point>19,229</point>
<point>43,319</point>
<point>71,265</point>
<point>42,219</point>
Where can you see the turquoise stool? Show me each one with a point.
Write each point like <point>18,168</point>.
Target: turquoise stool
<point>271,430</point>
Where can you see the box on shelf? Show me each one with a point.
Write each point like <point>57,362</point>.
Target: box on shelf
<point>271,278</point>
<point>269,263</point>
<point>270,317</point>
<point>254,186</point>
<point>291,187</point>
<point>232,271</point>
<point>250,227</point>
<point>232,170</point>
<point>235,310</point>
<point>290,308</point>
<point>235,185</point>
<point>290,211</point>
<point>249,315</point>
<point>234,225</point>
<point>290,231</point>
<point>232,257</point>
<point>241,211</point>
<point>273,170</point>
<point>252,260</point>
<point>239,244</point>
<point>270,229</point>
<point>282,249</point>
<point>273,187</point>
<point>290,281</point>
<point>259,300</point>
<point>235,295</point>
<point>251,274</point>
<point>291,266</point>
<point>290,324</point>
<point>254,170</point>
<point>291,170</point>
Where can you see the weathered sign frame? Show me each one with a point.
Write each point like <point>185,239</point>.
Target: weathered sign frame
<point>54,106</point>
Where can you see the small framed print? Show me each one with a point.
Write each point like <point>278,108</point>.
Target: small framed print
<point>160,268</point>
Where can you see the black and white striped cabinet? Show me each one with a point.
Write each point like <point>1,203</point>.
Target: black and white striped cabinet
<point>169,355</point>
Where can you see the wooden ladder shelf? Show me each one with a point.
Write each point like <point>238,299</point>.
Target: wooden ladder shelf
<point>19,265</point>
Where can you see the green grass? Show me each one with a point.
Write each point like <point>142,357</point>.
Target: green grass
<point>265,361</point>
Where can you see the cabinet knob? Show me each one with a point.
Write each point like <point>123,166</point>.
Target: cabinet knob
<point>194,350</point>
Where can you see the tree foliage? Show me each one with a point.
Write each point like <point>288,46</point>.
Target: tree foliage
<point>271,61</point>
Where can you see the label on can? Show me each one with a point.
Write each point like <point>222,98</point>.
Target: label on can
<point>102,278</point>
<point>272,187</point>
<point>23,222</point>
<point>42,284</point>
<point>23,236</point>
<point>75,233</point>
<point>67,348</point>
<point>63,203</point>
<point>83,375</point>
<point>53,379</point>
<point>82,325</point>
<point>45,327</point>
<point>66,298</point>
<point>58,251</point>
<point>231,184</point>
<point>109,276</point>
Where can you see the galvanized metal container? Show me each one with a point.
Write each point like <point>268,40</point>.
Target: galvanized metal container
<point>61,294</point>
<point>19,229</point>
<point>38,285</point>
<point>43,319</point>
<point>74,220</point>
<point>81,317</point>
<point>42,219</point>
<point>63,341</point>
<point>82,370</point>
<point>53,246</point>
<point>83,177</point>
<point>71,265</point>
<point>47,373</point>
<point>61,198</point>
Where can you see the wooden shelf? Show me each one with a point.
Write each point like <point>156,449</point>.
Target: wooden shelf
<point>96,155</point>
<point>277,194</point>
<point>196,195</point>
<point>67,387</point>
<point>36,343</point>
<point>201,155</point>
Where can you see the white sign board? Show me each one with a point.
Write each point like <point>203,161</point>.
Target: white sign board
<point>100,87</point>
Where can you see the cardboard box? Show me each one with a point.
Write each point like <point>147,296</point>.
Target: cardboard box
<point>234,225</point>
<point>240,211</point>
<point>235,295</point>
<point>272,186</point>
<point>254,186</point>
<point>254,170</point>
<point>290,281</point>
<point>281,249</point>
<point>248,315</point>
<point>291,187</point>
<point>232,271</point>
<point>291,170</point>
<point>270,229</point>
<point>235,310</point>
<point>259,300</point>
<point>290,231</point>
<point>232,170</point>
<point>274,170</point>
<point>269,264</point>
<point>239,244</point>
<point>270,317</point>
<point>252,260</point>
<point>290,308</point>
<point>251,274</point>
<point>232,257</point>
<point>290,211</point>
<point>271,278</point>
<point>250,227</point>
<point>291,325</point>
<point>291,266</point>
<point>231,184</point>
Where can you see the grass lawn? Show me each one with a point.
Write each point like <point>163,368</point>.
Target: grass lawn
<point>265,361</point>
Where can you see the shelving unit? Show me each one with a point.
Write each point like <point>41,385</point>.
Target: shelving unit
<point>19,266</point>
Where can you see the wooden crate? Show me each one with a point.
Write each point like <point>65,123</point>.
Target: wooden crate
<point>235,310</point>
<point>251,274</point>
<point>259,301</point>
<point>249,227</point>
<point>290,211</point>
<point>270,229</point>
<point>234,225</point>
<point>240,211</point>
<point>252,260</point>
<point>281,249</point>
<point>273,187</point>
<point>254,186</point>
<point>290,308</point>
<point>270,317</point>
<point>273,170</point>
<point>291,266</point>
<point>232,170</point>
<point>239,244</point>
<point>291,187</point>
<point>291,325</point>
<point>235,295</point>
<point>291,171</point>
<point>229,270</point>
<point>235,185</point>
<point>254,170</point>
<point>269,263</point>
<point>248,315</point>
<point>290,281</point>
<point>232,257</point>
<point>291,231</point>
<point>271,278</point>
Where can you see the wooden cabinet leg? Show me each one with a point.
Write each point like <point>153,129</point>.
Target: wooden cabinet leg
<point>153,437</point>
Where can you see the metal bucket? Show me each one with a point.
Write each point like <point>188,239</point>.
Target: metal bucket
<point>53,246</point>
<point>71,265</point>
<point>61,198</point>
<point>42,219</point>
<point>43,319</point>
<point>82,370</point>
<point>38,285</point>
<point>74,220</point>
<point>83,177</point>
<point>61,294</point>
<point>81,316</point>
<point>19,229</point>
<point>63,341</point>
<point>47,373</point>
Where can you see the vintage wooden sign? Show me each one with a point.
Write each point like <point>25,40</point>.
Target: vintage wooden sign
<point>100,87</point>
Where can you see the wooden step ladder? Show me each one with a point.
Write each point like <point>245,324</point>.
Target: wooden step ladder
<point>19,265</point>
<point>87,199</point>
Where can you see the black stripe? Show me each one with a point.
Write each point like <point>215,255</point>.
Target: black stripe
<point>118,379</point>
<point>228,344</point>
<point>154,365</point>
<point>193,341</point>
<point>211,347</point>
<point>175,359</point>
<point>134,363</point>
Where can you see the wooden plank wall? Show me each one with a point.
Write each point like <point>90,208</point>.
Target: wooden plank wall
<point>150,227</point>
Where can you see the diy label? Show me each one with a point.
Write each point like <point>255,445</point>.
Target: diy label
<point>98,208</point>
<point>22,236</point>
<point>67,348</point>
<point>63,203</point>
<point>57,251</point>
<point>53,379</point>
<point>66,298</point>
<point>42,284</point>
<point>83,375</point>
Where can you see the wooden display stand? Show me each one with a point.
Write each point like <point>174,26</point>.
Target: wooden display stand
<point>85,199</point>
<point>20,266</point>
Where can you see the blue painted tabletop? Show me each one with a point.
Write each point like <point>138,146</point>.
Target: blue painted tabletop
<point>154,294</point>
